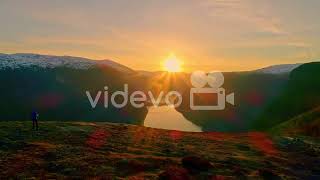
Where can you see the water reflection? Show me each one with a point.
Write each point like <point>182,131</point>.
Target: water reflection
<point>165,117</point>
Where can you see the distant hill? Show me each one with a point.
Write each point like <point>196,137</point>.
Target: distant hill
<point>299,96</point>
<point>307,124</point>
<point>278,69</point>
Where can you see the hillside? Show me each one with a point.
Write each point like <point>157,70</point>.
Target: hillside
<point>254,92</point>
<point>307,124</point>
<point>117,151</point>
<point>300,95</point>
<point>56,87</point>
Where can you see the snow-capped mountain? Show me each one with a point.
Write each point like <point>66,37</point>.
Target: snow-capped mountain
<point>47,61</point>
<point>278,69</point>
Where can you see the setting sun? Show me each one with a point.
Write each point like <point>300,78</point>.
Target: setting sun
<point>172,64</point>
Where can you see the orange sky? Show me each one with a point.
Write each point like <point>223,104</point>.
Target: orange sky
<point>227,35</point>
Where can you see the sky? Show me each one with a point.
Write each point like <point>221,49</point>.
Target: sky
<point>226,35</point>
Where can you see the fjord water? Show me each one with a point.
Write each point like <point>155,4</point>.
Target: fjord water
<point>166,117</point>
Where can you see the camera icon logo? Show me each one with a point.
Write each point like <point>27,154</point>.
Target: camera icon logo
<point>215,80</point>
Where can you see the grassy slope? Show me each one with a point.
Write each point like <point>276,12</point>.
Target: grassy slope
<point>307,124</point>
<point>60,150</point>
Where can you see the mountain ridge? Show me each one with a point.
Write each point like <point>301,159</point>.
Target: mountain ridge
<point>279,68</point>
<point>51,61</point>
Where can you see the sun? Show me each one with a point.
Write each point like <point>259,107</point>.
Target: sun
<point>172,64</point>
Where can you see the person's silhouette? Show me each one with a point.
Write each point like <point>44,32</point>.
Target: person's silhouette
<point>35,117</point>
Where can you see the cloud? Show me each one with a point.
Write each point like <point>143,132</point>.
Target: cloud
<point>247,13</point>
<point>146,30</point>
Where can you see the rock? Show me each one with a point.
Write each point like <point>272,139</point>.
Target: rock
<point>174,173</point>
<point>195,163</point>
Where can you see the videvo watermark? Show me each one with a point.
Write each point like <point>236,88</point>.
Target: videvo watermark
<point>202,83</point>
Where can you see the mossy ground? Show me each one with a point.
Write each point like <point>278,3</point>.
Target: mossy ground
<point>117,151</point>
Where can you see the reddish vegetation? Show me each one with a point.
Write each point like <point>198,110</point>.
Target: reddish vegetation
<point>143,135</point>
<point>218,177</point>
<point>97,139</point>
<point>31,155</point>
<point>138,136</point>
<point>262,142</point>
<point>115,151</point>
<point>216,136</point>
<point>175,135</point>
<point>175,173</point>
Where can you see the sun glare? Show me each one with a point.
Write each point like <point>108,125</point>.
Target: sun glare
<point>172,64</point>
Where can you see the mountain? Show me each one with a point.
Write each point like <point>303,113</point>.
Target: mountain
<point>56,87</point>
<point>263,100</point>
<point>253,93</point>
<point>278,69</point>
<point>47,61</point>
<point>274,69</point>
<point>300,95</point>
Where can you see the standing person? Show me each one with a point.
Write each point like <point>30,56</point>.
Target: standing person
<point>35,117</point>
